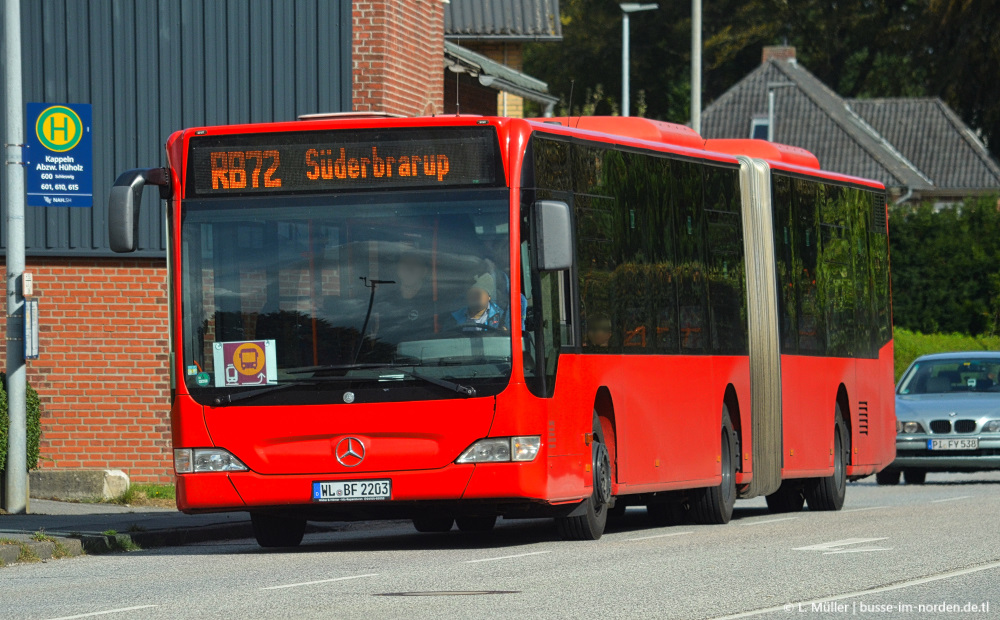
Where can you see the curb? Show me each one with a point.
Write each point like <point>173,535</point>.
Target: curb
<point>103,543</point>
<point>32,550</point>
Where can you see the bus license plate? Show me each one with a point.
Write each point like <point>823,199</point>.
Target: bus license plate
<point>352,491</point>
<point>970,443</point>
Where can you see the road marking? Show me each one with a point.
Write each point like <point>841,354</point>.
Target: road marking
<point>657,536</point>
<point>505,557</point>
<point>770,521</point>
<point>106,611</point>
<point>949,499</point>
<point>837,546</point>
<point>863,509</point>
<point>312,583</point>
<point>839,597</point>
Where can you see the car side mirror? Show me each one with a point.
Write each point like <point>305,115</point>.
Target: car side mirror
<point>553,225</point>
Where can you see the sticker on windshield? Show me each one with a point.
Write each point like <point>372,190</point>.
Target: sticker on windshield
<point>246,362</point>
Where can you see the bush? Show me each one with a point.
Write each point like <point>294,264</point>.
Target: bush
<point>34,411</point>
<point>911,345</point>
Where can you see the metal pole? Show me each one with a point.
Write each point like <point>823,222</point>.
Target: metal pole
<point>625,45</point>
<point>17,447</point>
<point>770,115</point>
<point>696,65</point>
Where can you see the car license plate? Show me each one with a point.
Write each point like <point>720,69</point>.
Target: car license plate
<point>352,491</point>
<point>969,443</point>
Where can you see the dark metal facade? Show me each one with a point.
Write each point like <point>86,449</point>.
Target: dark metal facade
<point>151,67</point>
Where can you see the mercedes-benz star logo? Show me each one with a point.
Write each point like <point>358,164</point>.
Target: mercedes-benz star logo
<point>350,452</point>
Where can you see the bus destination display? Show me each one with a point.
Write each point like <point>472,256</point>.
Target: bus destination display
<point>348,160</point>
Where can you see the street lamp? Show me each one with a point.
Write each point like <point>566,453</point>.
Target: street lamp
<point>627,8</point>
<point>771,87</point>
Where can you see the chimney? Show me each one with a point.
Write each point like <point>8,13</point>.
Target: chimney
<point>778,52</point>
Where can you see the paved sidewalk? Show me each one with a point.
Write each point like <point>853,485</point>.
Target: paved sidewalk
<point>87,527</point>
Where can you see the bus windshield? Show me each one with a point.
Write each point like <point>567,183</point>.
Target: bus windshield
<point>347,292</point>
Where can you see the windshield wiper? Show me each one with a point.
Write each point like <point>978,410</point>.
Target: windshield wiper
<point>465,390</point>
<point>323,367</point>
<point>229,399</point>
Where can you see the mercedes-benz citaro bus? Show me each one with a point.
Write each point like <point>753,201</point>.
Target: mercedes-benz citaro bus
<point>460,318</point>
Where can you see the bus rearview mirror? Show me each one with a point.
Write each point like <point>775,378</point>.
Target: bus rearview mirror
<point>123,205</point>
<point>553,235</point>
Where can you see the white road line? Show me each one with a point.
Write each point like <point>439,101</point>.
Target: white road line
<point>770,521</point>
<point>949,499</point>
<point>862,550</point>
<point>312,583</point>
<point>840,597</point>
<point>837,544</point>
<point>505,557</point>
<point>106,611</point>
<point>863,509</point>
<point>657,536</point>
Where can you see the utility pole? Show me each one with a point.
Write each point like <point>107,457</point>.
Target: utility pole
<point>16,499</point>
<point>696,65</point>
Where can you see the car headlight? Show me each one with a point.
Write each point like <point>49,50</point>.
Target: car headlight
<point>912,427</point>
<point>992,426</point>
<point>502,450</point>
<point>201,460</point>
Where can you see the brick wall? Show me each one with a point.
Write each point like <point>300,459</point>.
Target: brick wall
<point>397,55</point>
<point>102,374</point>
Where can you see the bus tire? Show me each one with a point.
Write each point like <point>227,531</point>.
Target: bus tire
<point>272,531</point>
<point>433,523</point>
<point>714,505</point>
<point>478,524</point>
<point>591,524</point>
<point>788,498</point>
<point>828,493</point>
<point>888,477</point>
<point>915,476</point>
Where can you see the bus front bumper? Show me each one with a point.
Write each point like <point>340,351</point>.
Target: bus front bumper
<point>510,487</point>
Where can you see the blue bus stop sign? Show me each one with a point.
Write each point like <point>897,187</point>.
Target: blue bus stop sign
<point>60,155</point>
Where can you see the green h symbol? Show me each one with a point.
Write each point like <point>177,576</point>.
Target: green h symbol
<point>64,128</point>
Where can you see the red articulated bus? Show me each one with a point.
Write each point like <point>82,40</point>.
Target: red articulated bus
<point>459,318</point>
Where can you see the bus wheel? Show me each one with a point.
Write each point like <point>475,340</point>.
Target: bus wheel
<point>433,523</point>
<point>715,504</point>
<point>788,498</point>
<point>272,531</point>
<point>888,477</point>
<point>914,476</point>
<point>828,493</point>
<point>590,525</point>
<point>476,524</point>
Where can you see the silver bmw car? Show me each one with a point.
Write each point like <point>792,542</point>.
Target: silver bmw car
<point>947,416</point>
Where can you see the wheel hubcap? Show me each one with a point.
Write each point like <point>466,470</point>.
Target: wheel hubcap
<point>602,474</point>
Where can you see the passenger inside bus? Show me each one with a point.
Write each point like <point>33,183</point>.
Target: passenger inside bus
<point>598,331</point>
<point>480,309</point>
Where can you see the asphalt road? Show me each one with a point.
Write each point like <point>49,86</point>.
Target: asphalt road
<point>899,552</point>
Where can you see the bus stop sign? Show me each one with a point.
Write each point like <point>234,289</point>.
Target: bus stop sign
<point>60,155</point>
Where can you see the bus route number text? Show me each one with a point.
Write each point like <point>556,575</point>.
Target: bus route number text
<point>234,170</point>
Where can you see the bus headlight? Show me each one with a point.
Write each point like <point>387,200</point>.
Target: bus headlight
<point>502,450</point>
<point>200,460</point>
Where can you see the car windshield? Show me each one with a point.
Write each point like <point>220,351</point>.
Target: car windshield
<point>346,290</point>
<point>944,376</point>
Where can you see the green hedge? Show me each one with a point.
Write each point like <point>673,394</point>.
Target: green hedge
<point>34,424</point>
<point>911,345</point>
